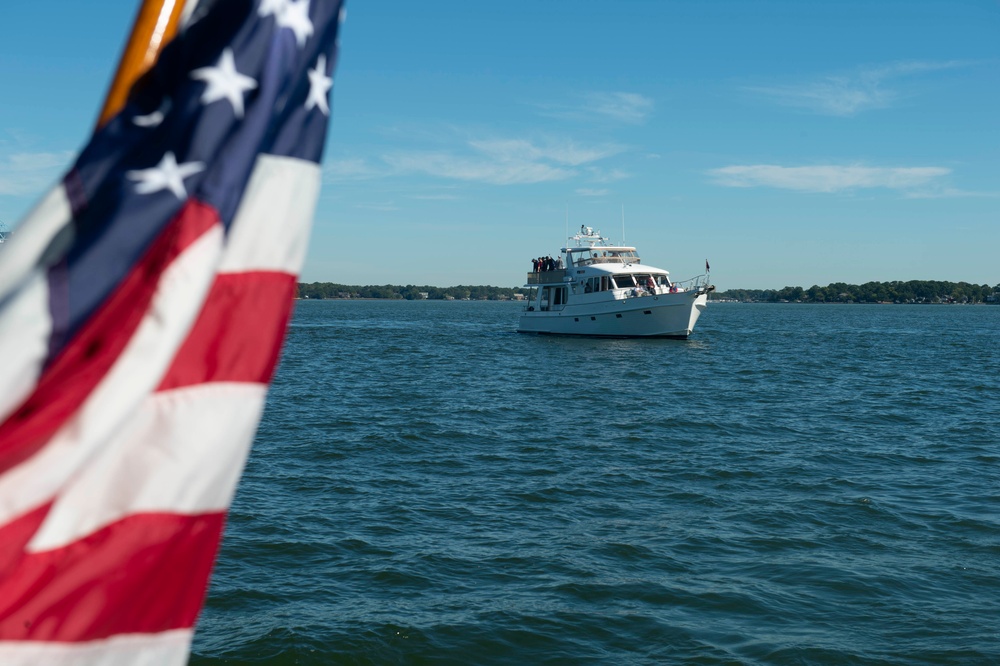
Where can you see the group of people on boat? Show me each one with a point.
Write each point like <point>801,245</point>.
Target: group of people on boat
<point>649,286</point>
<point>542,264</point>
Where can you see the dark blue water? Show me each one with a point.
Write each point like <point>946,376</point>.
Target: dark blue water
<point>796,484</point>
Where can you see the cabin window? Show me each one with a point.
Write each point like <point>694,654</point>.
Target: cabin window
<point>624,281</point>
<point>553,298</point>
<point>606,283</point>
<point>579,257</point>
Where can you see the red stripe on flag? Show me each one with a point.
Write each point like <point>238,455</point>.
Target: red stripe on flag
<point>69,379</point>
<point>238,334</point>
<point>16,534</point>
<point>147,573</point>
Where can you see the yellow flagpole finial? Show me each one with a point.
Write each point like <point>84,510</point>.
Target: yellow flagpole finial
<point>155,25</point>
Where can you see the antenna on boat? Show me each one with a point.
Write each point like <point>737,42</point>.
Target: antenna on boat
<point>623,224</point>
<point>567,219</point>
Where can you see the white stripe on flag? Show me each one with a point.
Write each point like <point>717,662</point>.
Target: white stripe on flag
<point>271,228</point>
<point>162,649</point>
<point>183,452</point>
<point>25,325</point>
<point>135,374</point>
<point>33,237</point>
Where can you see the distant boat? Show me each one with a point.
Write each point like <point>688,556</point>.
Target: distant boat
<point>602,290</point>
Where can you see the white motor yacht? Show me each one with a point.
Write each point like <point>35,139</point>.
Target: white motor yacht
<point>603,290</point>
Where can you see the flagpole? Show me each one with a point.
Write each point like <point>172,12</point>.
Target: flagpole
<point>155,25</point>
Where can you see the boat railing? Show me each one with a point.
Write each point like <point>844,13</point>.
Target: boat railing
<point>547,277</point>
<point>698,283</point>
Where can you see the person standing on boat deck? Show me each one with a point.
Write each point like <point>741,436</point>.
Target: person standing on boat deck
<point>559,263</point>
<point>651,285</point>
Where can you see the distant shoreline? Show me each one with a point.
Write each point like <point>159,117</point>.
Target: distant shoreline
<point>913,292</point>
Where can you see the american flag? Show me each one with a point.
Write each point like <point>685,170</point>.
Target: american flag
<point>143,303</point>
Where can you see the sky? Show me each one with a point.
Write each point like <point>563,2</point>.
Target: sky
<point>789,143</point>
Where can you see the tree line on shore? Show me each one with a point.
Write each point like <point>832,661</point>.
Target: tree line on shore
<point>320,290</point>
<point>913,291</point>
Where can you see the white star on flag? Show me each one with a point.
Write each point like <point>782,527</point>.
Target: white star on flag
<point>153,119</point>
<point>167,175</point>
<point>269,7</point>
<point>319,85</point>
<point>294,14</point>
<point>224,82</point>
<point>149,120</point>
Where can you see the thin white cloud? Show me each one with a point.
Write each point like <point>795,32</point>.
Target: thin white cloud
<point>620,107</point>
<point>435,197</point>
<point>828,178</point>
<point>445,165</point>
<point>560,152</point>
<point>599,175</point>
<point>24,174</point>
<point>850,94</point>
<point>623,106</point>
<point>951,193</point>
<point>387,206</point>
<point>348,169</point>
<point>503,161</point>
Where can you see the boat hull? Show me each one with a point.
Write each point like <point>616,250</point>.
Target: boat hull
<point>662,316</point>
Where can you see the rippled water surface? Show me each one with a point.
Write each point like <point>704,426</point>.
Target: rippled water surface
<point>795,484</point>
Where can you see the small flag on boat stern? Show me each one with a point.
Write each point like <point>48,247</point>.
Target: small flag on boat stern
<point>707,269</point>
<point>143,304</point>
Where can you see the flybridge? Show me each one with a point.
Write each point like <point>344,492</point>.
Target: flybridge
<point>605,255</point>
<point>592,248</point>
<point>589,238</point>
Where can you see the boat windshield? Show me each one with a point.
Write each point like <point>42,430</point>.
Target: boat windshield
<point>624,256</point>
<point>597,255</point>
<point>581,257</point>
<point>624,281</point>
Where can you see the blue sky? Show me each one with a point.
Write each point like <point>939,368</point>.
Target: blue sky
<point>790,143</point>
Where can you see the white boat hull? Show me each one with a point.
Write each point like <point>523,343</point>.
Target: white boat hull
<point>662,316</point>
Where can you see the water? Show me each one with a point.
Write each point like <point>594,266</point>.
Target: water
<point>796,484</point>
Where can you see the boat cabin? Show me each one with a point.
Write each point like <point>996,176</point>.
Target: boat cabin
<point>594,271</point>
<point>588,256</point>
<point>557,293</point>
